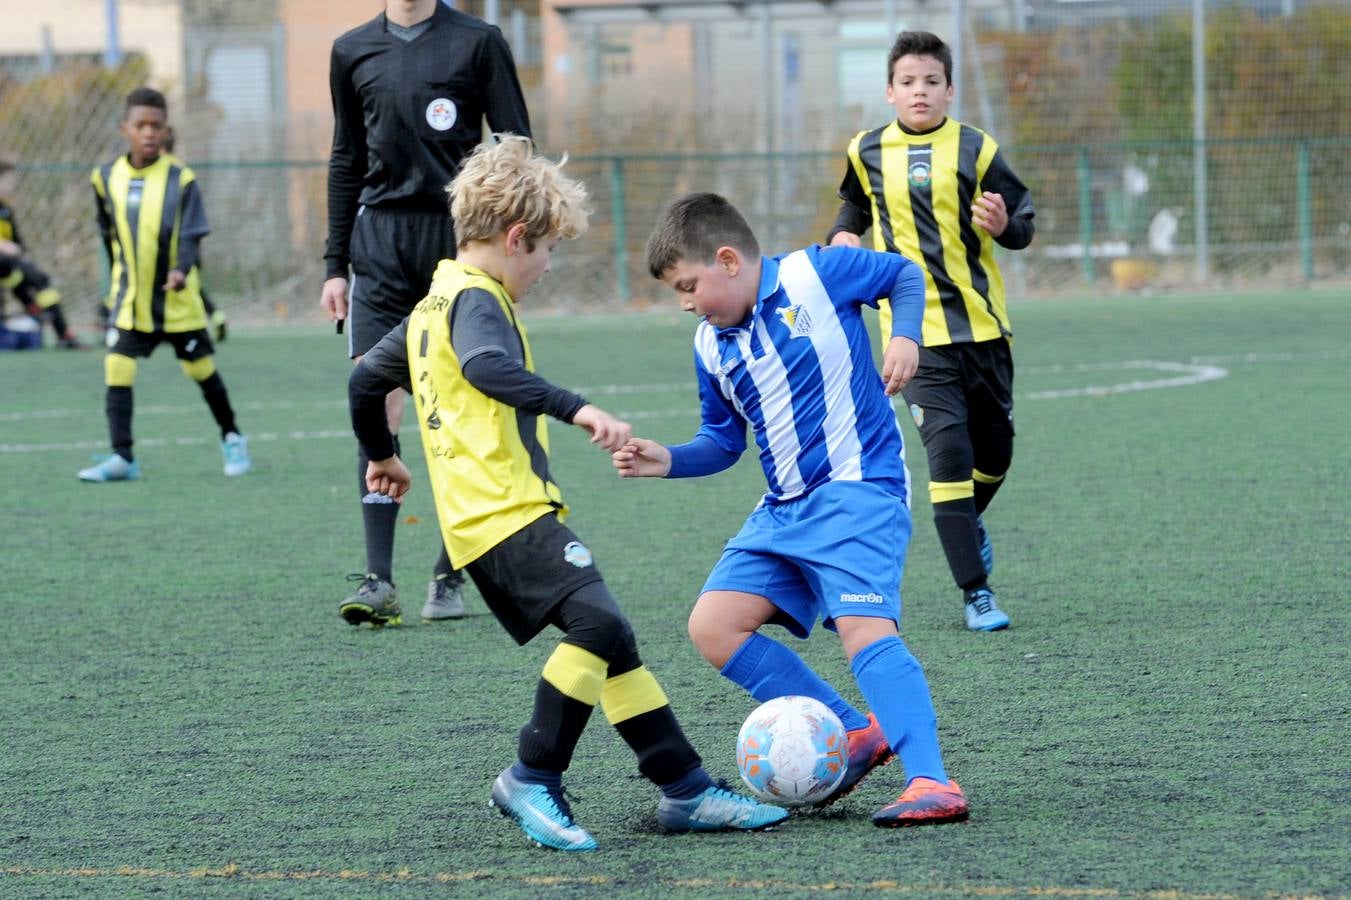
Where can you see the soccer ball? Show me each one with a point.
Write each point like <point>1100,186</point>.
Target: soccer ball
<point>792,751</point>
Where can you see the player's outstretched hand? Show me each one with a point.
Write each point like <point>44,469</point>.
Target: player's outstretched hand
<point>846,239</point>
<point>333,298</point>
<point>899,363</point>
<point>989,213</point>
<point>605,429</point>
<point>389,477</point>
<point>641,458</point>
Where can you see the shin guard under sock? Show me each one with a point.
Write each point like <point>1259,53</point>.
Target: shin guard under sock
<point>768,669</point>
<point>893,683</point>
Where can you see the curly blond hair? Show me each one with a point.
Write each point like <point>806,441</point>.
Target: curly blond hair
<point>504,182</point>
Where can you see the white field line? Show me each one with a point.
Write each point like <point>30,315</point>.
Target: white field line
<point>1198,370</point>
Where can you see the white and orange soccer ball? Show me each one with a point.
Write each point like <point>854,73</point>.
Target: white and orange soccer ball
<point>792,751</point>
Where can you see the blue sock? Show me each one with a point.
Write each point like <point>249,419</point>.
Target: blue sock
<point>688,786</point>
<point>768,669</point>
<point>893,683</point>
<point>530,775</point>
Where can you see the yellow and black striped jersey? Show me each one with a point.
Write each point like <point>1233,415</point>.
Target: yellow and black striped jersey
<point>915,190</point>
<point>152,220</point>
<point>466,359</point>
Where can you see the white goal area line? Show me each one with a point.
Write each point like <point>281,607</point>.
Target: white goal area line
<point>1198,370</point>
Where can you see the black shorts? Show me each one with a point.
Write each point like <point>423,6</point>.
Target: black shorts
<point>970,385</point>
<point>394,255</point>
<point>189,346</point>
<point>523,578</point>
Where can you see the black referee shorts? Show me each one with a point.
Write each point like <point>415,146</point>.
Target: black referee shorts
<point>523,578</point>
<point>394,255</point>
<point>967,384</point>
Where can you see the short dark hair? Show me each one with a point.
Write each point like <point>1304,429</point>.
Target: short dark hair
<point>920,43</point>
<point>6,166</point>
<point>146,96</point>
<point>693,228</point>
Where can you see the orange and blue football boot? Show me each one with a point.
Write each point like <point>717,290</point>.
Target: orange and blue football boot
<point>868,750</point>
<point>924,802</point>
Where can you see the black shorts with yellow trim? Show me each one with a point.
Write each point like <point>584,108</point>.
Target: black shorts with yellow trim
<point>967,384</point>
<point>189,346</point>
<point>523,578</point>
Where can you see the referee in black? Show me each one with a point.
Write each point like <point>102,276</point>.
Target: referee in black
<point>411,89</point>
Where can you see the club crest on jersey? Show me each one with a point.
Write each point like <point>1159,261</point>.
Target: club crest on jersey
<point>920,173</point>
<point>576,553</point>
<point>917,413</point>
<point>441,114</point>
<point>798,320</point>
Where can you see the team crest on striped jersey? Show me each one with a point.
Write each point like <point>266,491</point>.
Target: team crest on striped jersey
<point>798,320</point>
<point>920,173</point>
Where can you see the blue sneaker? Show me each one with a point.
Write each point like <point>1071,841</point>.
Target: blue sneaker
<point>235,449</point>
<point>111,468</point>
<point>717,809</point>
<point>542,812</point>
<point>986,546</point>
<point>982,613</point>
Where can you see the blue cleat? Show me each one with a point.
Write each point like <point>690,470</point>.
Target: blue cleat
<point>542,812</point>
<point>717,809</point>
<point>111,468</point>
<point>982,613</point>
<point>986,546</point>
<point>235,449</point>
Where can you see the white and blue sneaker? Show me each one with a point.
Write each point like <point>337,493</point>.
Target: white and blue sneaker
<point>982,613</point>
<point>235,449</point>
<point>542,812</point>
<point>717,809</point>
<point>986,546</point>
<point>111,468</point>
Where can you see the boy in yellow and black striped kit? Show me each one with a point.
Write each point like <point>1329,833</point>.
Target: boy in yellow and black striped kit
<point>30,284</point>
<point>941,193</point>
<point>151,217</point>
<point>463,355</point>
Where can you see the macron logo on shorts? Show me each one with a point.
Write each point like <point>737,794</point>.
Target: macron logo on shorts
<point>862,598</point>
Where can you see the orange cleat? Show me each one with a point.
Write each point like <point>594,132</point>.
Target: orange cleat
<point>924,802</point>
<point>868,750</point>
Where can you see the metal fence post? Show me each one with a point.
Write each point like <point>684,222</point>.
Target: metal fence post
<point>1304,207</point>
<point>620,226</point>
<point>1086,268</point>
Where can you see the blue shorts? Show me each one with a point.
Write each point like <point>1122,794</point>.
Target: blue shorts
<point>838,551</point>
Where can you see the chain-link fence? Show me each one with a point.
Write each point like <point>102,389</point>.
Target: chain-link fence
<point>1095,112</point>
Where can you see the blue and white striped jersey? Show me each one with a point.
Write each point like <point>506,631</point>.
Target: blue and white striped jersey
<point>800,371</point>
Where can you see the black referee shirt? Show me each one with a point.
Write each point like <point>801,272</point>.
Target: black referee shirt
<point>407,112</point>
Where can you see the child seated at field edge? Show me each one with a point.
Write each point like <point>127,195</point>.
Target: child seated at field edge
<point>465,359</point>
<point>783,347</point>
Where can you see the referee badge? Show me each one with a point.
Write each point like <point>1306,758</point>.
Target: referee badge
<point>577,554</point>
<point>441,114</point>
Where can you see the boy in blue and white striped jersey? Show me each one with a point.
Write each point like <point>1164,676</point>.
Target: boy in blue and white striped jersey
<point>783,347</point>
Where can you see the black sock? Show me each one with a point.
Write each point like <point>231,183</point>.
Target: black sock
<point>117,404</point>
<point>443,569</point>
<point>213,390</point>
<point>379,516</point>
<point>58,320</point>
<point>555,726</point>
<point>665,756</point>
<point>955,521</point>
